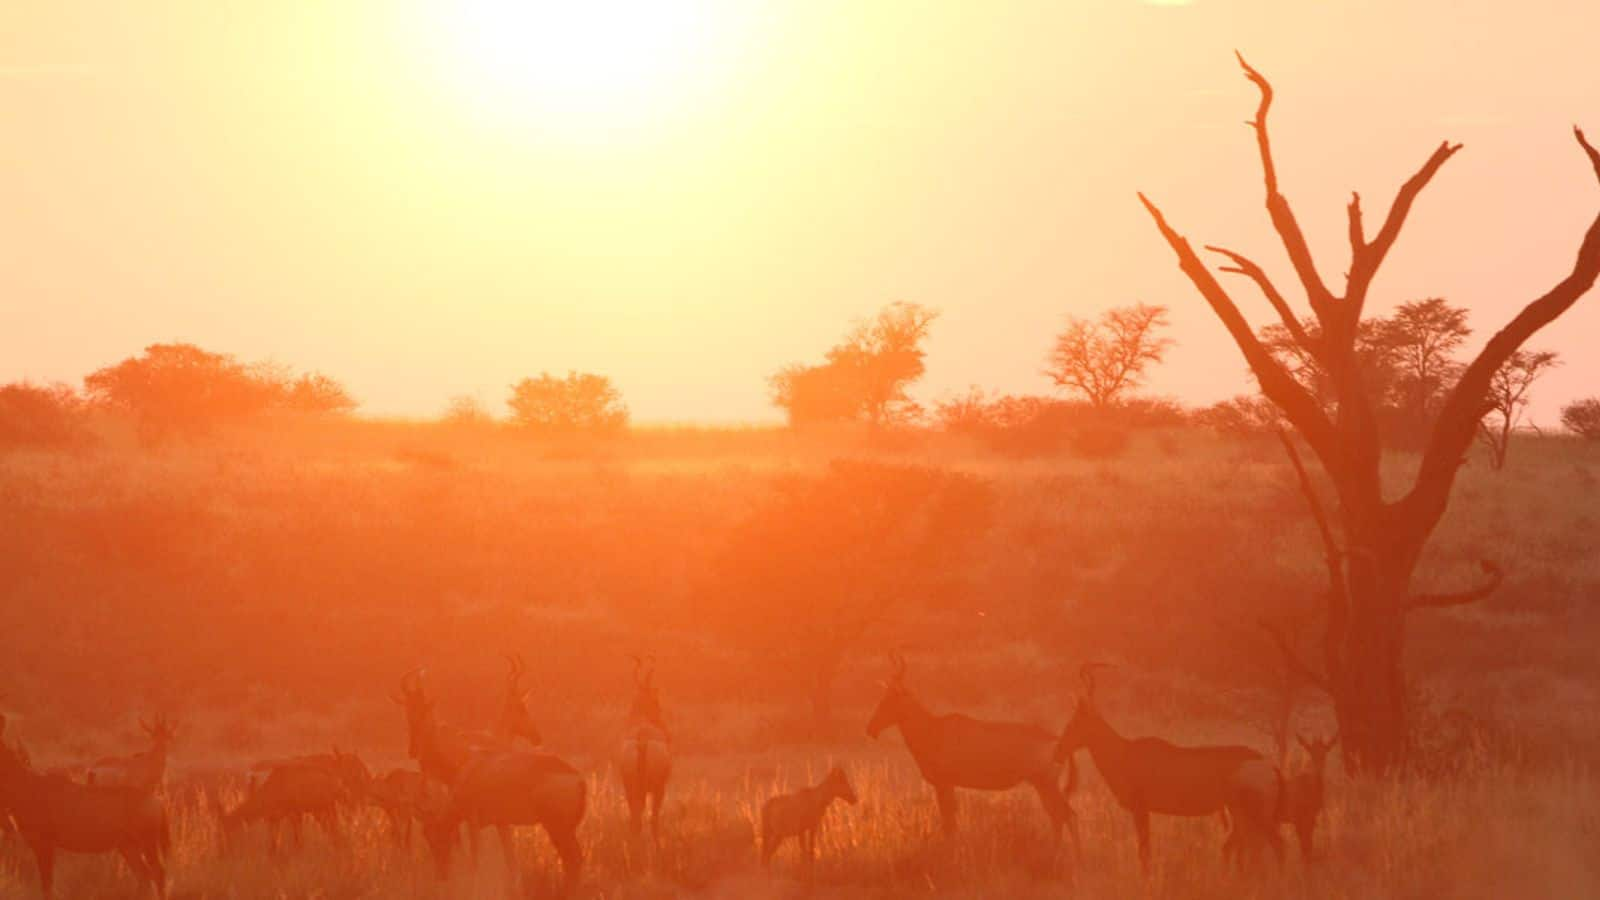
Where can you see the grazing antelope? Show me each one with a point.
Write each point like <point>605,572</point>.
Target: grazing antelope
<point>53,814</point>
<point>508,788</point>
<point>491,784</point>
<point>146,770</point>
<point>402,795</point>
<point>347,767</point>
<point>956,751</point>
<point>1149,775</point>
<point>644,758</point>
<point>313,787</point>
<point>800,814</point>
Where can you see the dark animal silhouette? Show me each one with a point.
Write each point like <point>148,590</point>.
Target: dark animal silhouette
<point>956,751</point>
<point>146,770</point>
<point>799,814</point>
<point>644,756</point>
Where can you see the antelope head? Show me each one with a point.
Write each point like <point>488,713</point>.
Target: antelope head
<point>419,711</point>
<point>1085,718</point>
<point>646,699</point>
<point>161,731</point>
<point>514,716</point>
<point>896,698</point>
<point>1317,751</point>
<point>839,786</point>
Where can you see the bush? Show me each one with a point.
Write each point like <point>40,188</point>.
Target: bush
<point>1242,415</point>
<point>1582,417</point>
<point>580,403</point>
<point>35,416</point>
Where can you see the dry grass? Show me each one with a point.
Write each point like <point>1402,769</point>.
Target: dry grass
<point>267,589</point>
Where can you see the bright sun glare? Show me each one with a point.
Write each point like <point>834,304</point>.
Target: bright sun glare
<point>602,60</point>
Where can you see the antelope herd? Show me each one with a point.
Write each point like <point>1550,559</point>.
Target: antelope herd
<point>468,780</point>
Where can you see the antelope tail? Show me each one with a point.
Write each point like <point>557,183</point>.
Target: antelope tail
<point>643,753</point>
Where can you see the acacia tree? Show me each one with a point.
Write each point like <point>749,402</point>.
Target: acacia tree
<point>1102,360</point>
<point>581,403</point>
<point>865,376</point>
<point>1582,417</point>
<point>1374,553</point>
<point>1508,394</point>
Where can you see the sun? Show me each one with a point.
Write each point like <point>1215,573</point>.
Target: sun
<point>599,60</point>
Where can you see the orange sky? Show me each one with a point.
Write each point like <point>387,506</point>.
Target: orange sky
<point>325,184</point>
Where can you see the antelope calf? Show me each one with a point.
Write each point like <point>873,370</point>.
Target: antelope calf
<point>644,756</point>
<point>799,814</point>
<point>956,751</point>
<point>402,795</point>
<point>53,814</point>
<point>1149,775</point>
<point>146,770</point>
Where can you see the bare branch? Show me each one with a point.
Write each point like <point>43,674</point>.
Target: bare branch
<point>1366,258</point>
<point>1294,241</point>
<point>1338,593</point>
<point>1277,384</point>
<point>1297,667</point>
<point>1243,265</point>
<point>1462,598</point>
<point>1457,424</point>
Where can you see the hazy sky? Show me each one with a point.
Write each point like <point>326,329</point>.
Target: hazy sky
<point>356,187</point>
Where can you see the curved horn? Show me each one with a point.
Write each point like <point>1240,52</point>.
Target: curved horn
<point>515,673</point>
<point>650,670</point>
<point>410,682</point>
<point>1086,672</point>
<point>638,669</point>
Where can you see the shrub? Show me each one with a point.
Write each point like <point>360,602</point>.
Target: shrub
<point>580,403</point>
<point>35,416</point>
<point>1582,417</point>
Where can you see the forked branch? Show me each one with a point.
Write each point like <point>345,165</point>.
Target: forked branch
<point>1283,220</point>
<point>1365,258</point>
<point>1462,598</point>
<point>1243,265</point>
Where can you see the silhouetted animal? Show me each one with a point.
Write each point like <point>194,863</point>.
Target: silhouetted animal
<point>53,814</point>
<point>799,814</point>
<point>1304,796</point>
<point>644,756</point>
<point>956,751</point>
<point>290,793</point>
<point>402,795</point>
<point>146,770</point>
<point>506,789</point>
<point>1150,775</point>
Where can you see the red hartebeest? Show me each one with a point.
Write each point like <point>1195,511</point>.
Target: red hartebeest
<point>53,814</point>
<point>644,757</point>
<point>1149,775</point>
<point>956,751</point>
<point>146,770</point>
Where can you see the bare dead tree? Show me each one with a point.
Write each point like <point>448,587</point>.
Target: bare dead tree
<point>1374,556</point>
<point>1508,395</point>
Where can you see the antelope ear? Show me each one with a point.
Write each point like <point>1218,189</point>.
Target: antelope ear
<point>525,694</point>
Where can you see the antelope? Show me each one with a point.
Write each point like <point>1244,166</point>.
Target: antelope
<point>289,793</point>
<point>1149,775</point>
<point>446,749</point>
<point>644,758</point>
<point>491,784</point>
<point>347,767</point>
<point>508,788</point>
<point>402,795</point>
<point>53,814</point>
<point>956,751</point>
<point>1256,795</point>
<point>146,770</point>
<point>800,814</point>
<point>1303,800</point>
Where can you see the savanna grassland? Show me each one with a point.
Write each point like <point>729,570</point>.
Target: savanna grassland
<point>267,588</point>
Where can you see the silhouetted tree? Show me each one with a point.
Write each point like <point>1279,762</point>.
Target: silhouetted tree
<point>1104,359</point>
<point>580,403</point>
<point>1372,560</point>
<point>315,393</point>
<point>33,415</point>
<point>1242,415</point>
<point>1508,394</point>
<point>1419,340</point>
<point>466,410</point>
<point>865,376</point>
<point>827,556</point>
<point>1582,417</point>
<point>180,387</point>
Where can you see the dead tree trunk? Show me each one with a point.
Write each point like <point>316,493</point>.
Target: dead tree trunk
<point>1374,554</point>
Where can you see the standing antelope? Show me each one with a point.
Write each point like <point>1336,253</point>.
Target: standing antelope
<point>448,748</point>
<point>956,751</point>
<point>146,770</point>
<point>1149,775</point>
<point>491,784</point>
<point>644,758</point>
<point>800,814</point>
<point>1303,800</point>
<point>54,814</point>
